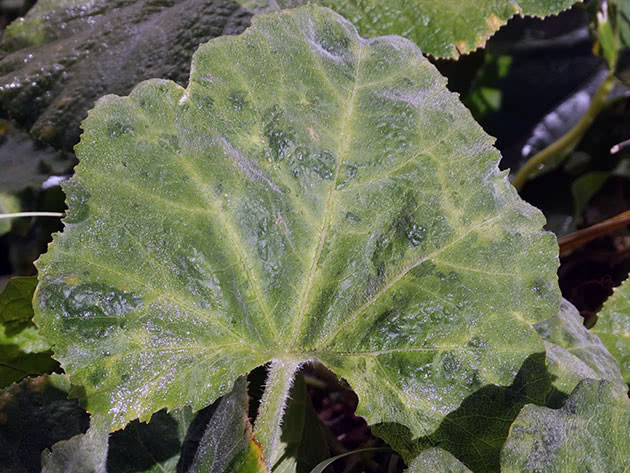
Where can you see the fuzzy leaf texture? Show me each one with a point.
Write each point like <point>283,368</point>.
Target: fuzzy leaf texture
<point>310,195</point>
<point>613,327</point>
<point>444,28</point>
<point>589,434</point>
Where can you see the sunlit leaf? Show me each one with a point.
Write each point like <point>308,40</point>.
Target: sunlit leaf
<point>613,327</point>
<point>588,434</point>
<point>8,204</point>
<point>64,54</point>
<point>310,195</point>
<point>444,28</point>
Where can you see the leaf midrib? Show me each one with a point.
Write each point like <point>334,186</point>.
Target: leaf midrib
<point>330,203</point>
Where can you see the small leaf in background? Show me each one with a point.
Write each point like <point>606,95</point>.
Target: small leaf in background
<point>613,327</point>
<point>63,55</point>
<point>588,434</point>
<point>83,453</point>
<point>574,353</point>
<point>16,304</point>
<point>34,415</point>
<point>436,460</point>
<point>585,187</point>
<point>227,445</point>
<point>311,194</point>
<point>445,28</point>
<point>8,204</point>
<point>25,163</point>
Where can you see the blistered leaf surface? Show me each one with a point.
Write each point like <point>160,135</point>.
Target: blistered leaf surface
<point>436,460</point>
<point>445,28</point>
<point>573,352</point>
<point>311,194</point>
<point>64,54</point>
<point>613,327</point>
<point>588,434</point>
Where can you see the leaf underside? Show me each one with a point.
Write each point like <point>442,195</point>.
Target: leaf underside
<point>613,327</point>
<point>310,195</point>
<point>588,434</point>
<point>445,28</point>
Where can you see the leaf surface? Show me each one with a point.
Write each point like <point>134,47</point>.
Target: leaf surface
<point>613,327</point>
<point>436,460</point>
<point>16,304</point>
<point>64,54</point>
<point>574,353</point>
<point>8,204</point>
<point>588,434</point>
<point>310,195</point>
<point>445,28</point>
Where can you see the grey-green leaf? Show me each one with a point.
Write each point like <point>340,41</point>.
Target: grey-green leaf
<point>444,28</point>
<point>613,327</point>
<point>588,434</point>
<point>436,460</point>
<point>310,195</point>
<point>227,445</point>
<point>574,353</point>
<point>64,54</point>
<point>83,453</point>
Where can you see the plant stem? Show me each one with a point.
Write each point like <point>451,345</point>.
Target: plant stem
<point>570,139</point>
<point>31,214</point>
<point>271,411</point>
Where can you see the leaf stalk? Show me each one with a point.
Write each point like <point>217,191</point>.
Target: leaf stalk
<point>267,429</point>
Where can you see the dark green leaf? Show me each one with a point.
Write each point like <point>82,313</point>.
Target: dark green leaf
<point>66,53</point>
<point>34,415</point>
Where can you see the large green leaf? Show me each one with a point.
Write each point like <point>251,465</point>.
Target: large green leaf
<point>310,195</point>
<point>64,54</point>
<point>444,28</point>
<point>613,327</point>
<point>574,353</point>
<point>588,434</point>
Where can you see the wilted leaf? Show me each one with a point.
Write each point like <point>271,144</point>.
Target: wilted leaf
<point>34,415</point>
<point>16,304</point>
<point>64,54</point>
<point>613,327</point>
<point>228,445</point>
<point>588,434</point>
<point>445,28</point>
<point>310,195</point>
<point>436,460</point>
<point>574,353</point>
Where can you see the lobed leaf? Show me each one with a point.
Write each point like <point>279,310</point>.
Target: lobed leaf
<point>445,28</point>
<point>613,327</point>
<point>588,434</point>
<point>310,195</point>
